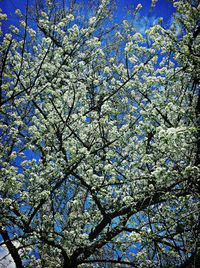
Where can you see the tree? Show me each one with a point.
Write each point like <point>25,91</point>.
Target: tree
<point>100,140</point>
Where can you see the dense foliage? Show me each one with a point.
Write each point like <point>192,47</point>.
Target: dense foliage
<point>100,140</point>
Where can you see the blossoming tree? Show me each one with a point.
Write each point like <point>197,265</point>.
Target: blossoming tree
<point>99,141</point>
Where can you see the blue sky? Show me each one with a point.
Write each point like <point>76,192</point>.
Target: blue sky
<point>147,16</point>
<point>163,7</point>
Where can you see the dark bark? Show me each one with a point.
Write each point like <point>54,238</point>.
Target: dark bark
<point>12,249</point>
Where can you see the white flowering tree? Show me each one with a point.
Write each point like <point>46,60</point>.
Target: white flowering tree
<point>99,141</point>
